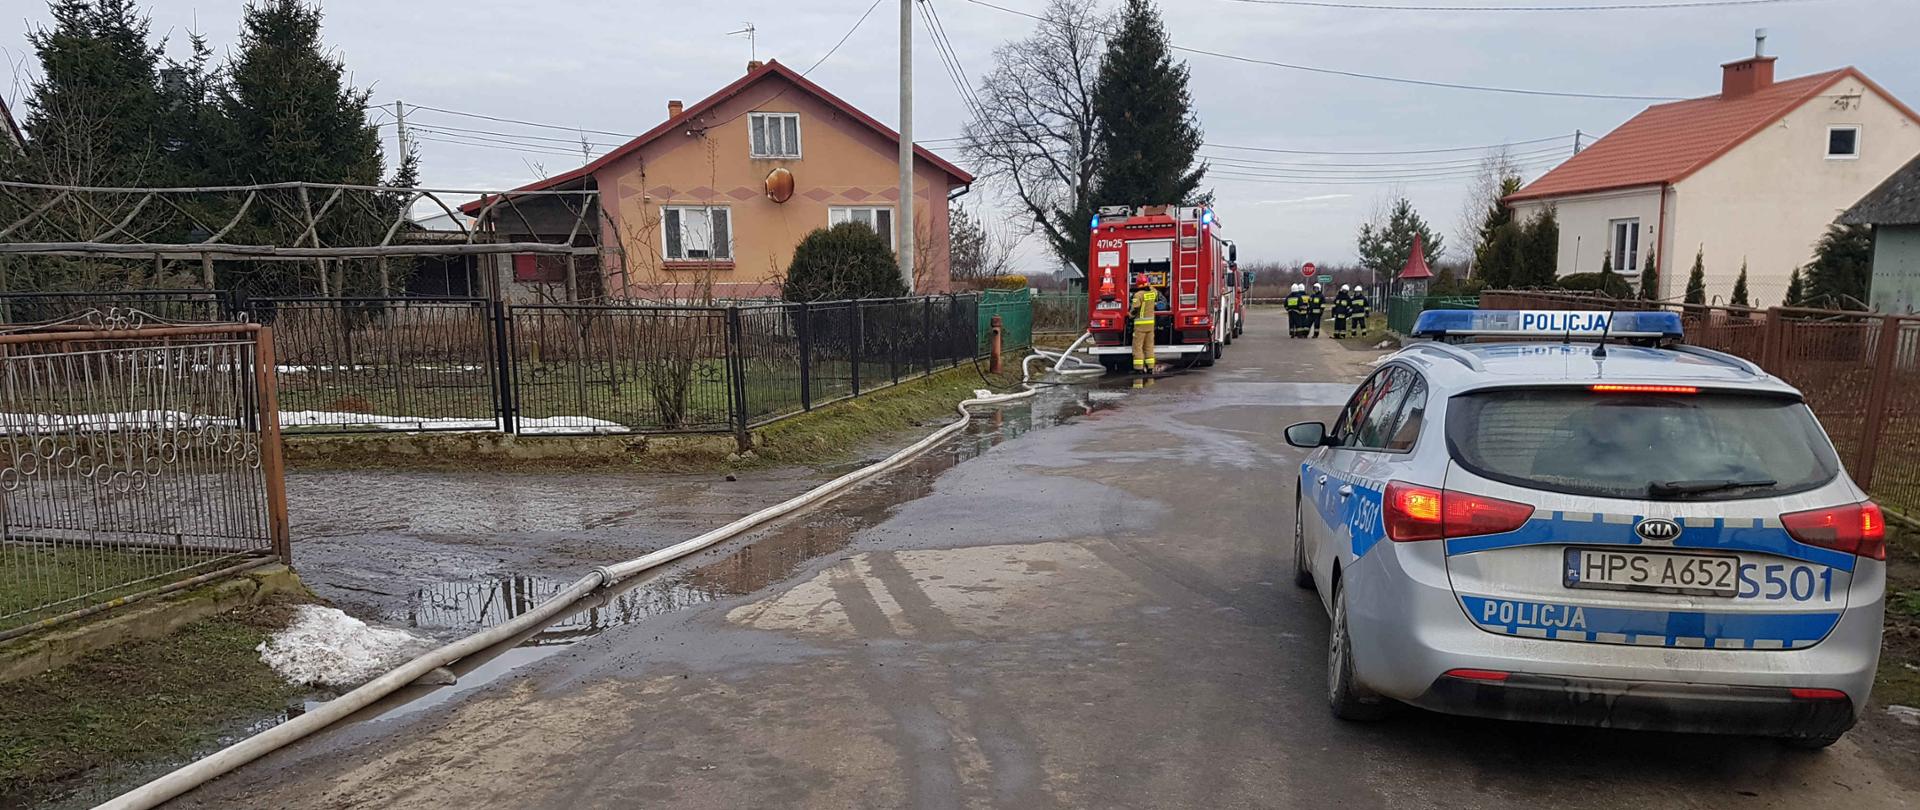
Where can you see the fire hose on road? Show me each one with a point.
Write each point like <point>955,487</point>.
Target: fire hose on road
<point>203,770</point>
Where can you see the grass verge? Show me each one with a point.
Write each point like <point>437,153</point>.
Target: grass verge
<point>836,432</point>
<point>150,700</point>
<point>1899,681</point>
<point>825,435</point>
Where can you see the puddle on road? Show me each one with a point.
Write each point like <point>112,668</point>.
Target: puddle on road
<point>458,607</point>
<point>463,606</point>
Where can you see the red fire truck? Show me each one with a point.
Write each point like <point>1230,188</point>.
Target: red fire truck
<point>1182,255</point>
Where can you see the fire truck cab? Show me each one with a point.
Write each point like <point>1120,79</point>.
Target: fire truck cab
<point>1180,252</point>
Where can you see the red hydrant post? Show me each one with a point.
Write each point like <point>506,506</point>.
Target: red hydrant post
<point>993,364</point>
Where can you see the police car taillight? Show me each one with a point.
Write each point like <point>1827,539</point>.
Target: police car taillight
<point>1857,528</point>
<point>1413,513</point>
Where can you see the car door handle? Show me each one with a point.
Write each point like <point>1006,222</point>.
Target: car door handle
<point>1323,481</point>
<point>1346,491</point>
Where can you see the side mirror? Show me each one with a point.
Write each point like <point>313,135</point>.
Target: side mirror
<point>1233,252</point>
<point>1307,434</point>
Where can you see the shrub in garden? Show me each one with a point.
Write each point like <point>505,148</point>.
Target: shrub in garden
<point>845,261</point>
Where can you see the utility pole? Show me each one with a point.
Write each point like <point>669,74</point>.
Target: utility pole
<point>904,223</point>
<point>586,148</point>
<point>1577,134</point>
<point>400,115</point>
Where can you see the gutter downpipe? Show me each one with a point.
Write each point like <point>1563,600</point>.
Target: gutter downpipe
<point>1659,247</point>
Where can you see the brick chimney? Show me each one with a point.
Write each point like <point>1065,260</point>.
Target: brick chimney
<point>1748,76</point>
<point>674,108</point>
<point>755,64</point>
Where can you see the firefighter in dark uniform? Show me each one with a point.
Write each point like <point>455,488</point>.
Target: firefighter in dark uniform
<point>1341,301</point>
<point>1295,306</point>
<point>1357,312</point>
<point>1316,309</point>
<point>1142,307</point>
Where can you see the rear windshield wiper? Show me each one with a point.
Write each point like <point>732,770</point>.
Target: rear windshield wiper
<point>1659,488</point>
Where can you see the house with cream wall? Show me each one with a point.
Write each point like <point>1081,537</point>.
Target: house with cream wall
<point>1754,174</point>
<point>713,200</point>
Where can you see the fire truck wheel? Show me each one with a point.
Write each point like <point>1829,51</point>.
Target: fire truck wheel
<point>1116,364</point>
<point>1208,355</point>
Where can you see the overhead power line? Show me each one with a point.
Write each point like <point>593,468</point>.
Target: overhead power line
<point>1588,7</point>
<point>843,38</point>
<point>1434,151</point>
<point>1352,74</point>
<point>413,106</point>
<point>523,149</point>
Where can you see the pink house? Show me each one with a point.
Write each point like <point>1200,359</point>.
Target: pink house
<point>713,201</point>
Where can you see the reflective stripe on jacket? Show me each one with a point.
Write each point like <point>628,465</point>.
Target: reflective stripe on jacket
<point>1143,302</point>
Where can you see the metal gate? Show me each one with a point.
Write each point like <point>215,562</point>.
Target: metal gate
<point>142,456</point>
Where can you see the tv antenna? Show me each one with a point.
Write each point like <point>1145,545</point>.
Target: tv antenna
<point>753,44</point>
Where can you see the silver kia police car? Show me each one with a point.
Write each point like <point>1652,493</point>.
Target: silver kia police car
<point>1571,517</point>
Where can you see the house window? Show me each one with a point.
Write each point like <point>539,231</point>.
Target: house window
<point>775,135</point>
<point>879,219</point>
<point>697,234</point>
<point>1626,246</point>
<point>1843,143</point>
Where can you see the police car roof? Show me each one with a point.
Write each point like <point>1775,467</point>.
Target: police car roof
<point>1475,365</point>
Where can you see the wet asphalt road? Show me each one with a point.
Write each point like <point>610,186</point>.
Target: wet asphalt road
<point>1083,603</point>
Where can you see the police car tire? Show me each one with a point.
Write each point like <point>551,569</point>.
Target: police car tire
<point>1348,699</point>
<point>1302,573</point>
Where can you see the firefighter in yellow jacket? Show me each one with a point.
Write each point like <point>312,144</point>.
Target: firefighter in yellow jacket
<point>1142,307</point>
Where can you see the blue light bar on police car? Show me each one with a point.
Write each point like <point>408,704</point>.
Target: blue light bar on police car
<point>1547,323</point>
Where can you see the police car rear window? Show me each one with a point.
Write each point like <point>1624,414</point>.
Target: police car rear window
<point>1700,446</point>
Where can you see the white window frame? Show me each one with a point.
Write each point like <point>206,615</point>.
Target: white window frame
<point>758,148</point>
<point>672,216</point>
<point>1630,261</point>
<point>1856,141</point>
<point>843,213</point>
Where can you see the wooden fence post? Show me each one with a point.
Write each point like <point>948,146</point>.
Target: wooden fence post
<point>272,461</point>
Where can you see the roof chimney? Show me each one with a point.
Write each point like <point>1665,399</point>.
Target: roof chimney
<point>674,108</point>
<point>755,64</point>
<point>1746,77</point>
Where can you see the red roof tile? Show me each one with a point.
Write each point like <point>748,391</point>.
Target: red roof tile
<point>693,111</point>
<point>1667,142</point>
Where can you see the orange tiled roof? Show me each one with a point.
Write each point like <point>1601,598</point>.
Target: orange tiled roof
<point>1667,142</point>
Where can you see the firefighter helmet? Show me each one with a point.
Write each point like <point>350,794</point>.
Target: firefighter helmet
<point>1140,280</point>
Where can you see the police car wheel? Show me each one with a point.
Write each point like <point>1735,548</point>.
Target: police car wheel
<point>1348,699</point>
<point>1302,572</point>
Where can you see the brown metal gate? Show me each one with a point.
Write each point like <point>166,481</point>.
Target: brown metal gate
<point>142,456</point>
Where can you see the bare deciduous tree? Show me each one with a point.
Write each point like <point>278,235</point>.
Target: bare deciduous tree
<point>1034,132</point>
<point>979,250</point>
<point>1485,189</point>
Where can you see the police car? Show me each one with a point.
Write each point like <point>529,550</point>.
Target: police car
<point>1597,526</point>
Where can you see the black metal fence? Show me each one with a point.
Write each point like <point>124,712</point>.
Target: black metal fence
<point>465,364</point>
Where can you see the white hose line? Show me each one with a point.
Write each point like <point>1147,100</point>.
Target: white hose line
<point>201,771</point>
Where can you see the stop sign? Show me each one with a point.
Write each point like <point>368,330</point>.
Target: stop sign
<point>1307,269</point>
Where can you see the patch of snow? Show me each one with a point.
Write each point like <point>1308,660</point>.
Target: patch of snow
<point>104,421</point>
<point>551,424</point>
<point>1905,714</point>
<point>180,420</point>
<point>1385,344</point>
<point>325,647</point>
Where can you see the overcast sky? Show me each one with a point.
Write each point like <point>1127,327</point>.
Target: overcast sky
<point>612,64</point>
